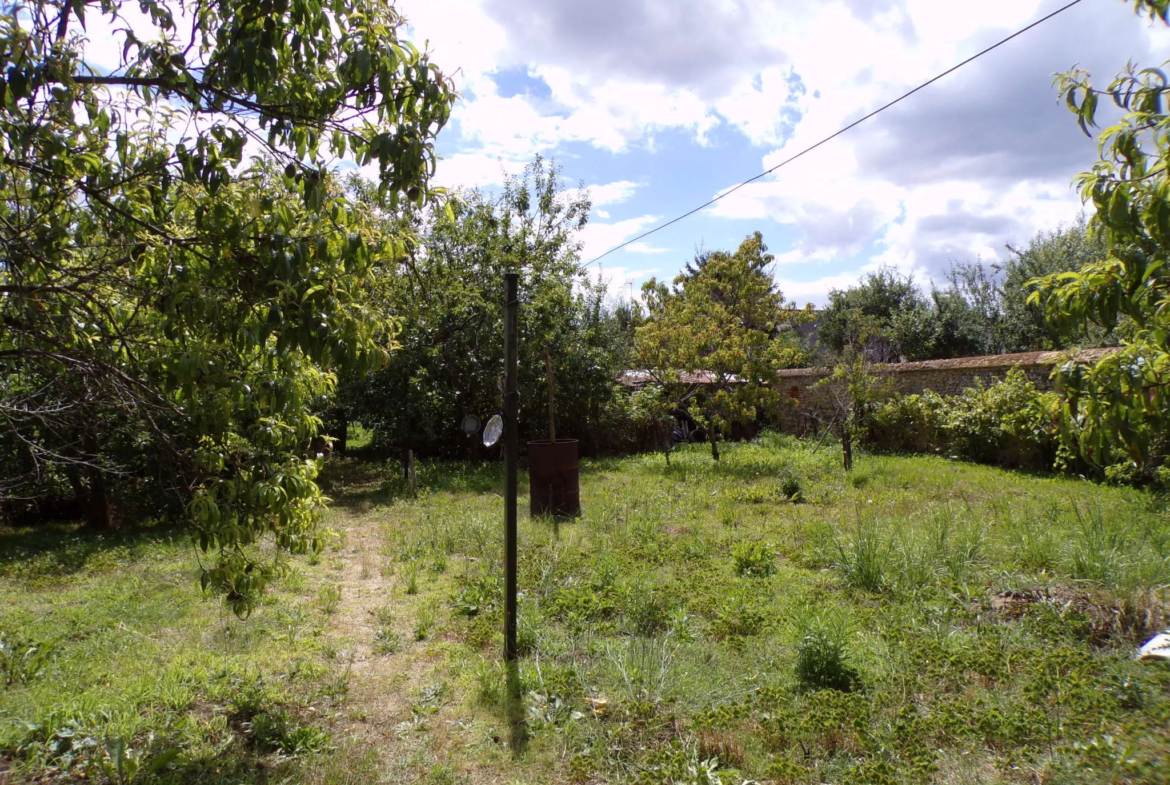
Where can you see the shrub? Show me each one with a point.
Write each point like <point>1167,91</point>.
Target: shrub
<point>1008,423</point>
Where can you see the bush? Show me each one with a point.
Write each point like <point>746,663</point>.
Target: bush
<point>1008,423</point>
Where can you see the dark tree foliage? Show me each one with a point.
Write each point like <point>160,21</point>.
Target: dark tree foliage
<point>983,309</point>
<point>862,316</point>
<point>448,297</point>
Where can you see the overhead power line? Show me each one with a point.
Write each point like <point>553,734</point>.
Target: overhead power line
<point>831,137</point>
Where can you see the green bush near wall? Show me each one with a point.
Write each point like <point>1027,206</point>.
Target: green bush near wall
<point>1008,423</point>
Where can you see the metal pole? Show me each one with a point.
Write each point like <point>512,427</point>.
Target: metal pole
<point>511,459</point>
<point>552,420</point>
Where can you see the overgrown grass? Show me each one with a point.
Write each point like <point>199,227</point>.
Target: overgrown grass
<point>918,621</point>
<point>117,669</point>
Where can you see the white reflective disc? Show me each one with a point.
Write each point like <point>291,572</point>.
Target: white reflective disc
<point>491,434</point>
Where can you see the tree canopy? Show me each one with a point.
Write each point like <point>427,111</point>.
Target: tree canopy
<point>447,295</point>
<point>725,318</point>
<point>179,268</point>
<point>981,309</point>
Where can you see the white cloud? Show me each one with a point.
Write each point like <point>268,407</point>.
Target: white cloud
<point>641,247</point>
<point>979,159</point>
<point>623,282</point>
<point>611,193</point>
<point>475,170</point>
<point>597,238</point>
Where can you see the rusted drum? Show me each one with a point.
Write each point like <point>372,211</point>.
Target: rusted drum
<point>552,478</point>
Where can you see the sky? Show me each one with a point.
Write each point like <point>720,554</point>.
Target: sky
<point>656,106</point>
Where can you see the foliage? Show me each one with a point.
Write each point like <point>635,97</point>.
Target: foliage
<point>863,560</point>
<point>1008,422</point>
<point>982,309</point>
<point>727,322</point>
<point>862,317</point>
<point>853,389</point>
<point>822,661</point>
<point>169,308</point>
<point>21,660</point>
<point>754,559</point>
<point>1122,403</point>
<point>447,295</point>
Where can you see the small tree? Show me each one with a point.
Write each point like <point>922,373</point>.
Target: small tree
<point>720,335</point>
<point>852,389</point>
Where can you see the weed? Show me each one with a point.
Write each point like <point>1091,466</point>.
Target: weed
<point>790,488</point>
<point>729,514</point>
<point>328,598</point>
<point>122,764</point>
<point>385,642</point>
<point>679,763</point>
<point>273,731</point>
<point>478,594</point>
<point>739,616</point>
<point>821,656</point>
<point>424,622</point>
<point>862,561</point>
<point>412,581</point>
<point>723,747</point>
<point>21,660</point>
<point>754,559</point>
<point>649,610</point>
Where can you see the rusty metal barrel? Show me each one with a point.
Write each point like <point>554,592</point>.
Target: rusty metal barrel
<point>553,487</point>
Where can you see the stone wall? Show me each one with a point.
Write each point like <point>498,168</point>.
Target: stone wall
<point>945,377</point>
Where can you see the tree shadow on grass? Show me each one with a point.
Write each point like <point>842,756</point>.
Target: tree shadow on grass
<point>358,485</point>
<point>58,550</point>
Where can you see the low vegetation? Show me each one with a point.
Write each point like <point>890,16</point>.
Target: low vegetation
<point>917,620</point>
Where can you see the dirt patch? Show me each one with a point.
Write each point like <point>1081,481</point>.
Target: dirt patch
<point>1108,617</point>
<point>380,680</point>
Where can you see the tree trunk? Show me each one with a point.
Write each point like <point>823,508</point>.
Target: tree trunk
<point>99,513</point>
<point>342,431</point>
<point>847,448</point>
<point>714,441</point>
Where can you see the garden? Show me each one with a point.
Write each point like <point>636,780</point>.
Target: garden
<point>766,618</point>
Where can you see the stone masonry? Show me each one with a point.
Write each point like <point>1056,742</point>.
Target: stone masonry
<point>945,377</point>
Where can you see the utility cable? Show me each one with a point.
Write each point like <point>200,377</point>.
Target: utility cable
<point>852,125</point>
